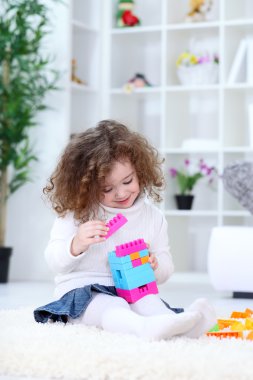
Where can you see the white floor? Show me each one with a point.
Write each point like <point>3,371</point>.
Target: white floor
<point>181,290</point>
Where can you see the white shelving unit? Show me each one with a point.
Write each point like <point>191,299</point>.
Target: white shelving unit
<point>85,99</point>
<point>168,113</point>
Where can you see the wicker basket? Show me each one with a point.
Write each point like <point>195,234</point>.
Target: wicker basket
<point>206,73</point>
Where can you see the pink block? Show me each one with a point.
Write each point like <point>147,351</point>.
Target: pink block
<point>135,294</point>
<point>136,263</point>
<point>131,247</point>
<point>115,223</point>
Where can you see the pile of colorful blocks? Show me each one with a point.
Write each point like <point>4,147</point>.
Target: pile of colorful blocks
<point>239,325</point>
<point>132,274</point>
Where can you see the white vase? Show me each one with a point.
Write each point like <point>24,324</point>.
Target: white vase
<point>200,74</point>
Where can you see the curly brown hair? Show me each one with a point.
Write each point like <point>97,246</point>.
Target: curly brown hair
<point>75,184</point>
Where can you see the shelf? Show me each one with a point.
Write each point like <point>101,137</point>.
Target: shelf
<point>83,27</point>
<point>239,86</point>
<point>82,88</point>
<point>209,121</point>
<point>136,29</point>
<point>235,213</point>
<point>189,213</point>
<point>181,88</point>
<point>239,22</point>
<point>238,149</point>
<point>187,151</point>
<point>143,90</point>
<point>193,26</point>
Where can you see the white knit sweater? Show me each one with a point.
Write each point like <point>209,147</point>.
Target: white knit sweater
<point>145,221</point>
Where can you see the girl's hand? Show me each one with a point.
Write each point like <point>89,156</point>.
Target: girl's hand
<point>153,261</point>
<point>88,233</point>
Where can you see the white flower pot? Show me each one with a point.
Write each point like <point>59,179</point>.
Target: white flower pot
<point>205,73</point>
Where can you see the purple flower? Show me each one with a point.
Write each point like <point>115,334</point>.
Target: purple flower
<point>173,172</point>
<point>188,177</point>
<point>204,59</point>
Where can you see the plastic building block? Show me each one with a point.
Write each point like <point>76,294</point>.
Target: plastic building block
<point>250,336</point>
<point>115,223</point>
<point>136,263</point>
<point>134,295</point>
<point>131,247</point>
<point>135,255</point>
<point>234,328</point>
<point>224,323</point>
<point>249,323</point>
<point>215,328</point>
<point>133,278</point>
<point>225,334</point>
<point>238,314</point>
<point>249,312</point>
<point>144,259</point>
<point>238,326</point>
<point>113,259</point>
<point>132,273</point>
<point>143,253</point>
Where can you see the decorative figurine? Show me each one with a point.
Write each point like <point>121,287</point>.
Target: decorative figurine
<point>125,16</point>
<point>74,77</point>
<point>198,10</point>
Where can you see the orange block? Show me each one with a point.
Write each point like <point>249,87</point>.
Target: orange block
<point>249,312</point>
<point>224,323</point>
<point>135,255</point>
<point>250,336</point>
<point>144,259</point>
<point>238,314</point>
<point>225,334</point>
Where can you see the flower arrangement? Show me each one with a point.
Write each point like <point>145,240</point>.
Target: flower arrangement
<point>189,59</point>
<point>188,177</point>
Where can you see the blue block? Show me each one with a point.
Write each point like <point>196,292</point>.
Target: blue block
<point>118,260</point>
<point>121,266</point>
<point>133,278</point>
<point>143,253</point>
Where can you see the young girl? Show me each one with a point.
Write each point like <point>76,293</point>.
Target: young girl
<point>105,171</point>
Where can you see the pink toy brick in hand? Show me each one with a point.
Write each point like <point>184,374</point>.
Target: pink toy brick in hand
<point>115,223</point>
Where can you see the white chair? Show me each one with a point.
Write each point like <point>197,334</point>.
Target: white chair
<point>230,260</point>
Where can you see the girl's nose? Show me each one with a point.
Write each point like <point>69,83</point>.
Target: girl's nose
<point>119,193</point>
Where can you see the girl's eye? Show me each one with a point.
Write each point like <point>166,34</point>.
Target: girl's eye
<point>127,183</point>
<point>107,190</point>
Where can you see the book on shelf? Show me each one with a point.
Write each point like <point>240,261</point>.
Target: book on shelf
<point>242,67</point>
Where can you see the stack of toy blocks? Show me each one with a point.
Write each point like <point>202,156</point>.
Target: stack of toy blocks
<point>132,273</point>
<point>239,325</point>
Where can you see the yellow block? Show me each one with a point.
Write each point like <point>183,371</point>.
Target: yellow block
<point>238,326</point>
<point>249,323</point>
<point>224,323</point>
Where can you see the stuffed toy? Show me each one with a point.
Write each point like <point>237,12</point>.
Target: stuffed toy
<point>198,10</point>
<point>74,77</point>
<point>125,16</point>
<point>138,81</point>
<point>238,181</point>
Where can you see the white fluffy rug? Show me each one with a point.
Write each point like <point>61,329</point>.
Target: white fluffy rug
<point>78,352</point>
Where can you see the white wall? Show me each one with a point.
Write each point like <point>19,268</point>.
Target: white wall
<point>29,219</point>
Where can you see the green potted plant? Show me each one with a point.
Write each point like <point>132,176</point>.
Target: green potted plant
<point>187,178</point>
<point>25,78</point>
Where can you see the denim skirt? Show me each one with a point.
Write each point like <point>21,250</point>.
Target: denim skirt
<point>75,302</point>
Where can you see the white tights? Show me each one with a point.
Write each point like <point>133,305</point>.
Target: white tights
<point>148,318</point>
